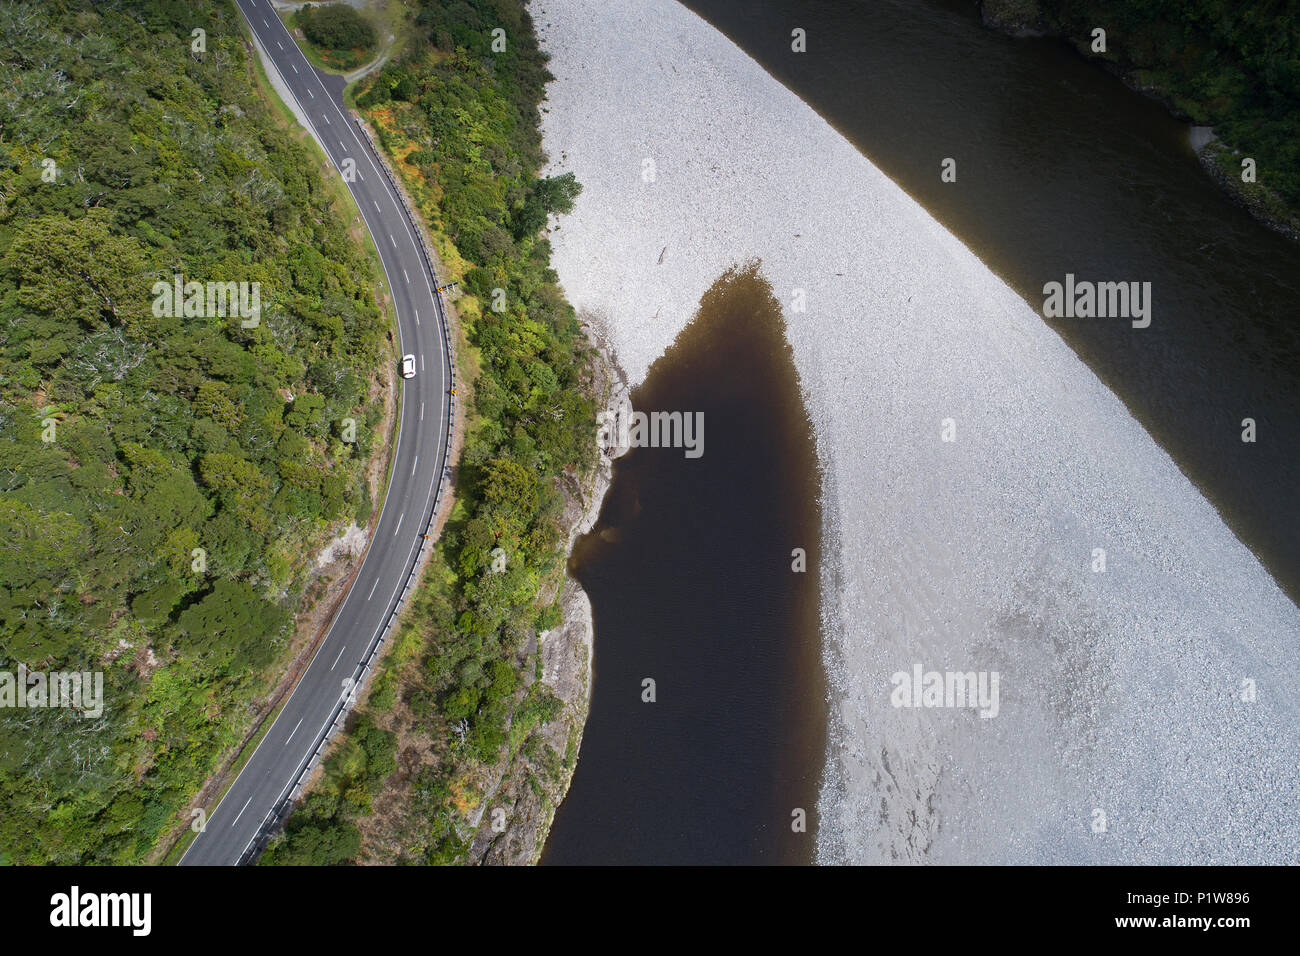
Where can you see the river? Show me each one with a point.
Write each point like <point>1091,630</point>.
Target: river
<point>977,461</point>
<point>690,572</point>
<point>1061,168</point>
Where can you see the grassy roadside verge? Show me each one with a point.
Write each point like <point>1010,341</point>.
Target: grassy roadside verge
<point>346,206</point>
<point>205,475</point>
<point>458,708</point>
<point>343,204</point>
<point>178,848</point>
<point>394,30</point>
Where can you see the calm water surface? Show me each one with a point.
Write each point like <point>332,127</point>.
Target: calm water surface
<point>1060,169</point>
<point>689,570</point>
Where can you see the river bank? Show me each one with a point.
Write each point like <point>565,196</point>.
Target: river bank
<point>462,728</point>
<point>973,466</point>
<point>706,734</point>
<point>564,655</point>
<point>1221,160</point>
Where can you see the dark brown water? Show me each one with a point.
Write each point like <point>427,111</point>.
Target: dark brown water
<point>689,574</point>
<point>1061,168</point>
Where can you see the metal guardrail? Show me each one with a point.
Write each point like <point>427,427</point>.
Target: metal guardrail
<point>279,813</point>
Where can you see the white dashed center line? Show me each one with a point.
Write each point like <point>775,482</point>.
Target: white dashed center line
<point>242,809</point>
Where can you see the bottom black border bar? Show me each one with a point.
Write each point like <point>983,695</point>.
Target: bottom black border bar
<point>347,905</point>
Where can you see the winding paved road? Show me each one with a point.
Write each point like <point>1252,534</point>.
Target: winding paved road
<point>238,827</point>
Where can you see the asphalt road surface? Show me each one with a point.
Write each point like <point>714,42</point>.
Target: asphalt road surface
<point>237,828</point>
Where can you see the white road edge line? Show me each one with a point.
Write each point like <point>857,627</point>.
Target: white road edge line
<point>428,495</point>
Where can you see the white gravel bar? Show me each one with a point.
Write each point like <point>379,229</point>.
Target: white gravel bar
<point>1122,734</point>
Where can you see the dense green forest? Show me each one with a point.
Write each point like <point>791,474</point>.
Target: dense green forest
<point>164,479</point>
<point>1234,66</point>
<point>461,122</point>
